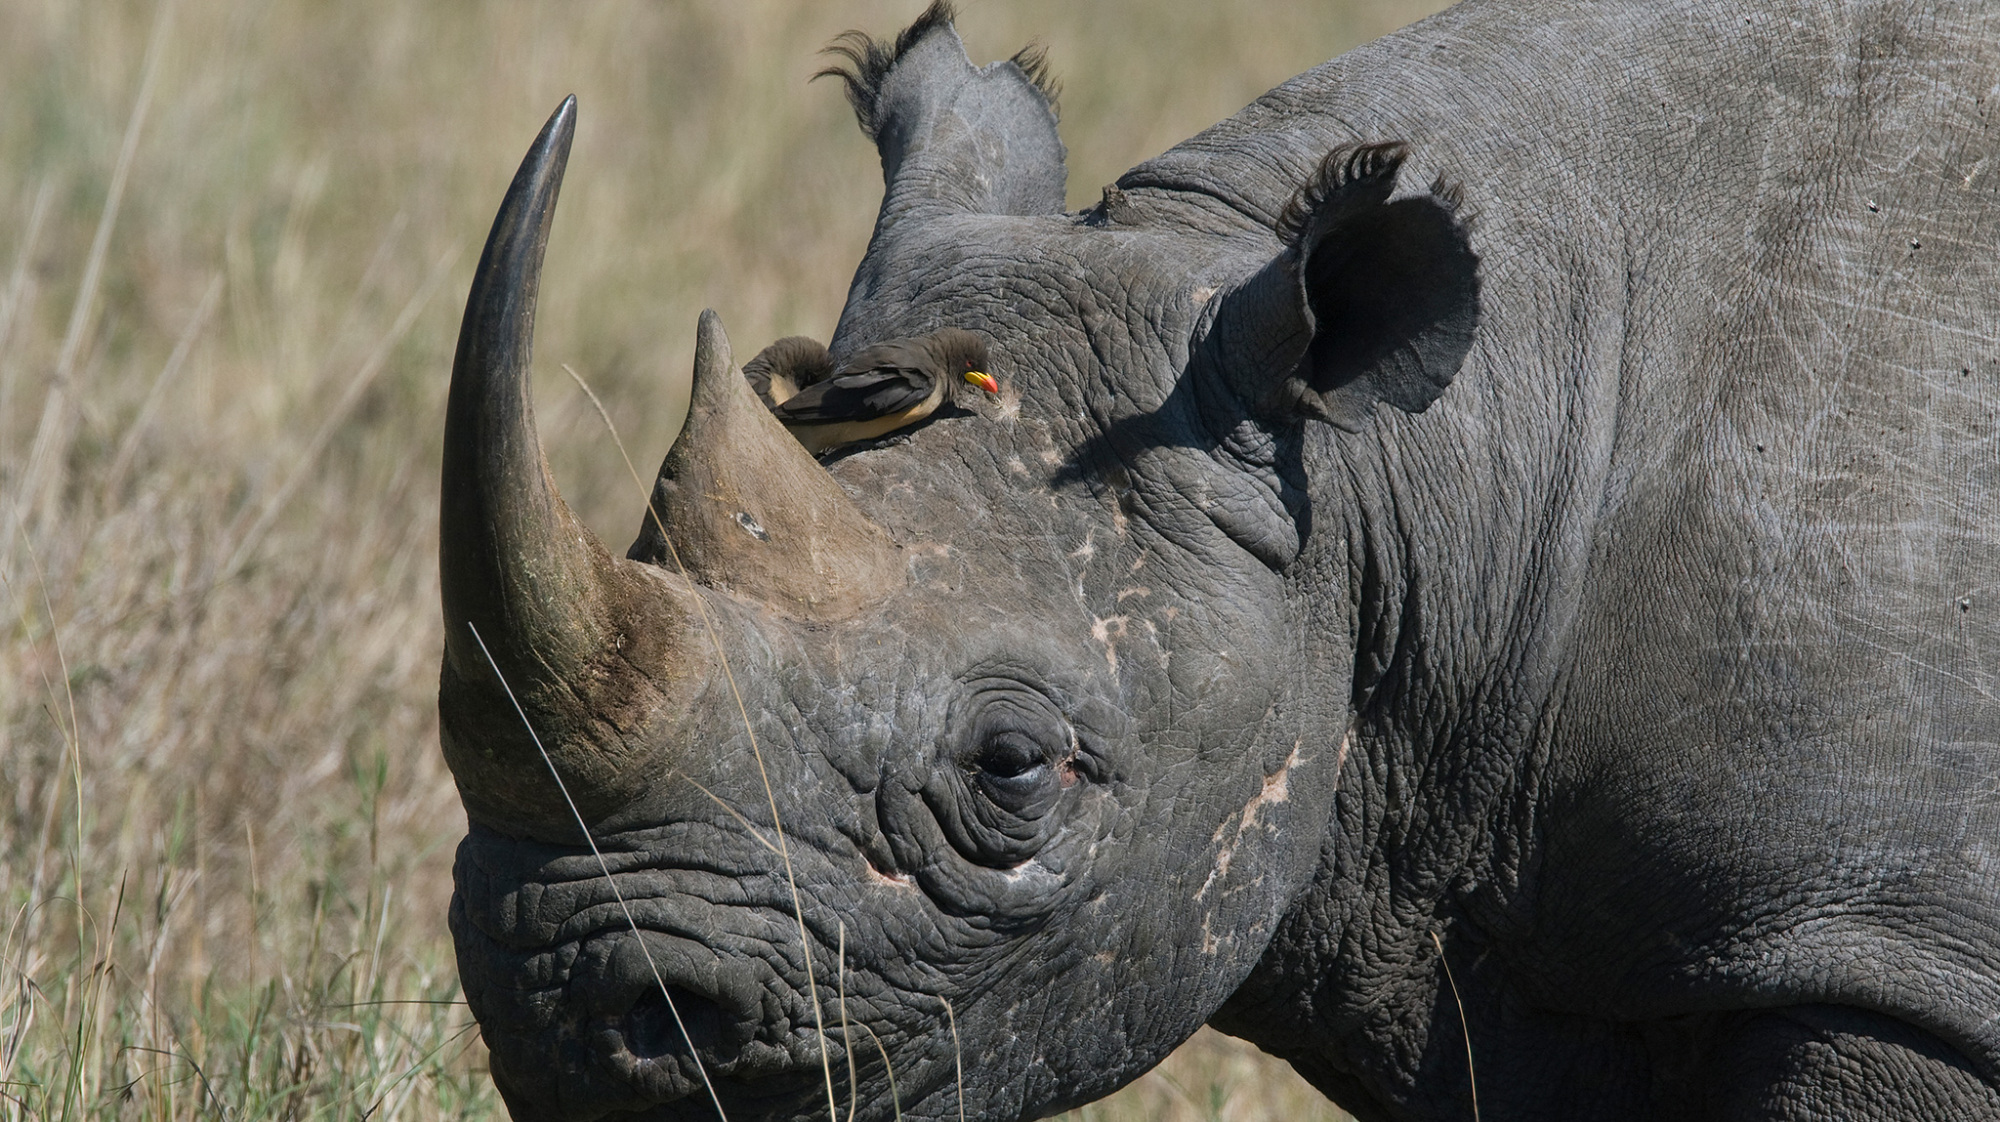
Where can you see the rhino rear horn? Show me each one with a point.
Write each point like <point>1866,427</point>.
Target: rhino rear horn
<point>954,138</point>
<point>745,508</point>
<point>583,642</point>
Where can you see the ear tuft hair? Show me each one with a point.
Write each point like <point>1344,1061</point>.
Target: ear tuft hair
<point>1348,178</point>
<point>1451,196</point>
<point>869,60</point>
<point>1033,60</point>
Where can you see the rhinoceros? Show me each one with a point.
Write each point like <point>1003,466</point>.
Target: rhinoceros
<point>1483,582</point>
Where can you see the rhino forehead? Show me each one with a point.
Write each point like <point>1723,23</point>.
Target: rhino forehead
<point>1092,334</point>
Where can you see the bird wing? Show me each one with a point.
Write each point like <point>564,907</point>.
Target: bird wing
<point>858,396</point>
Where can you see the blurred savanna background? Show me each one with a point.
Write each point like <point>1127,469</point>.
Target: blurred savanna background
<point>235,240</point>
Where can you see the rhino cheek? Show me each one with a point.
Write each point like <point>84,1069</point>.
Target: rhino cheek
<point>1152,903</point>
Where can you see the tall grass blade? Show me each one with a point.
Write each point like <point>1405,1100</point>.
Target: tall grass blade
<point>846,1037</point>
<point>957,1055</point>
<point>605,868</point>
<point>729,675</point>
<point>889,1069</point>
<point>1464,1027</point>
<point>53,435</point>
<point>249,540</point>
<point>18,293</point>
<point>127,447</point>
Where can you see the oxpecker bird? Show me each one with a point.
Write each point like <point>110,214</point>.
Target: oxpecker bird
<point>886,387</point>
<point>787,366</point>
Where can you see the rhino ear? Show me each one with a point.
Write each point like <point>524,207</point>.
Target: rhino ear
<point>1372,300</point>
<point>954,138</point>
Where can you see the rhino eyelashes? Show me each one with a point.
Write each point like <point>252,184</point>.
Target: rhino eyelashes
<point>1013,771</point>
<point>1009,756</point>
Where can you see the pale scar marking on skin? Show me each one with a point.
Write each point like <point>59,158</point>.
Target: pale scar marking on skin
<point>1276,789</point>
<point>893,880</point>
<point>1108,630</point>
<point>1026,868</point>
<point>1088,549</point>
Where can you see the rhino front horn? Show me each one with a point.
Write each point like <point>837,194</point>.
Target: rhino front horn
<point>749,510</point>
<point>536,613</point>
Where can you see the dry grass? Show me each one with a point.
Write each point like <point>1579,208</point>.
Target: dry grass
<point>225,852</point>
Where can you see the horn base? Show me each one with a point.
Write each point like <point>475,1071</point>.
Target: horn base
<point>751,512</point>
<point>607,726</point>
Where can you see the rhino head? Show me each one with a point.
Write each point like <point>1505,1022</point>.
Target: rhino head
<point>970,773</point>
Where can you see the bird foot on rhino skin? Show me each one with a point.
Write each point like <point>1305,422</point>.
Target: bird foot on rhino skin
<point>945,412</point>
<point>893,440</point>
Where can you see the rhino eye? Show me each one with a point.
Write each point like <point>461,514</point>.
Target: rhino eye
<point>1007,767</point>
<point>1010,756</point>
<point>1012,770</point>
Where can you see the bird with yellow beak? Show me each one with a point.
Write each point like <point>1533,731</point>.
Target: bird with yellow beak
<point>884,388</point>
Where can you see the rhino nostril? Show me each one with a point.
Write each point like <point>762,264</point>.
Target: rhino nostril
<point>652,1032</point>
<point>663,1013</point>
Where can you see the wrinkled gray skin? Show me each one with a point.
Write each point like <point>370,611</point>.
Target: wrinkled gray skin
<point>1653,668</point>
